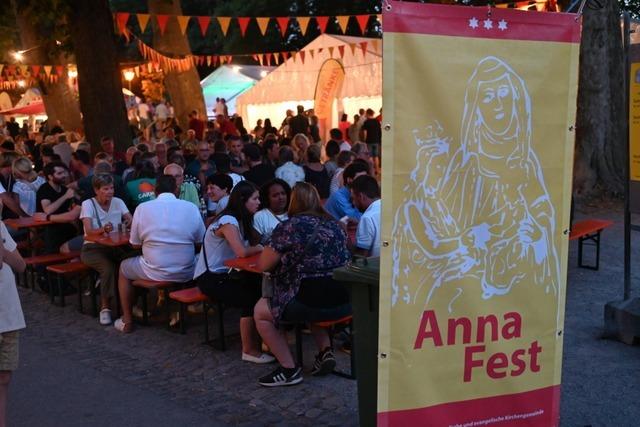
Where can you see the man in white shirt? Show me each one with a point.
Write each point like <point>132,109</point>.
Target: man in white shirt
<point>167,229</point>
<point>11,317</point>
<point>365,194</point>
<point>162,112</point>
<point>289,172</point>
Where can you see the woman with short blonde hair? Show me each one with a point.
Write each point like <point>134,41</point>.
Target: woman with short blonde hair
<point>27,183</point>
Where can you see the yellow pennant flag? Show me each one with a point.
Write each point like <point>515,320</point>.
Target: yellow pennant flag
<point>47,70</point>
<point>183,22</point>
<point>224,22</point>
<point>143,20</point>
<point>263,23</point>
<point>331,48</point>
<point>2,66</point>
<point>312,52</point>
<point>303,21</point>
<point>353,47</point>
<point>343,21</point>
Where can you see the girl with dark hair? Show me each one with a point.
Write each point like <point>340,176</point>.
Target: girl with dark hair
<point>226,238</point>
<point>274,197</point>
<point>268,128</point>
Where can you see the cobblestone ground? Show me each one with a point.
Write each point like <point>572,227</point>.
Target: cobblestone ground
<point>600,381</point>
<point>192,375</point>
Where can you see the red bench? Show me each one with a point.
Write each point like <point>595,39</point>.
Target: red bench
<point>193,296</point>
<point>330,325</point>
<point>44,260</point>
<point>69,269</point>
<point>588,230</point>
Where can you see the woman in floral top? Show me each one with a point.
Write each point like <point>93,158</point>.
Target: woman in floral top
<point>302,254</point>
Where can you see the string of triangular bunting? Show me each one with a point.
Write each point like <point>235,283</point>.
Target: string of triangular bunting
<point>168,63</point>
<point>18,75</point>
<point>283,24</point>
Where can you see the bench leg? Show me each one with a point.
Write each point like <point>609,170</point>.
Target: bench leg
<point>221,338</point>
<point>299,357</point>
<point>205,308</point>
<point>80,307</point>
<point>183,319</point>
<point>94,296</point>
<point>595,238</point>
<point>61,289</point>
<point>145,317</point>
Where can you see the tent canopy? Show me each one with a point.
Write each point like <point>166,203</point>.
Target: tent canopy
<point>294,81</point>
<point>228,82</point>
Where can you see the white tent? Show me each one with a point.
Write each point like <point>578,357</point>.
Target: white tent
<point>228,82</point>
<point>294,82</point>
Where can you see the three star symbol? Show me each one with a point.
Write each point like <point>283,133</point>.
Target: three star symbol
<point>487,24</point>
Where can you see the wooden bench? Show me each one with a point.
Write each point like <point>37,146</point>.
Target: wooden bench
<point>44,260</point>
<point>68,269</point>
<point>330,325</point>
<point>588,230</point>
<point>160,286</point>
<point>193,296</point>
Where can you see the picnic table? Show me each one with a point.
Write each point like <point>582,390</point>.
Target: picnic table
<point>27,222</point>
<point>249,263</point>
<point>113,239</point>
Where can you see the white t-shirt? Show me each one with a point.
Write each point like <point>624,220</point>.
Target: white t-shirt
<point>235,178</point>
<point>368,233</point>
<point>221,204</point>
<point>143,110</point>
<point>167,229</point>
<point>27,193</point>
<point>264,221</point>
<point>162,112</point>
<point>217,248</point>
<point>290,173</point>
<point>336,181</point>
<point>345,146</point>
<point>117,208</point>
<point>11,317</point>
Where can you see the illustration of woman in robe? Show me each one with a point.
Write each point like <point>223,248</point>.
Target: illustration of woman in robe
<point>481,215</point>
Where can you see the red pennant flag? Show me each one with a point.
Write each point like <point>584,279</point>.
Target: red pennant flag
<point>363,46</point>
<point>59,70</point>
<point>363,20</point>
<point>322,23</point>
<point>302,53</point>
<point>269,56</point>
<point>35,70</point>
<point>243,22</point>
<point>283,23</point>
<point>121,20</point>
<point>162,22</point>
<point>286,55</point>
<point>204,21</point>
<point>11,69</point>
<point>341,50</point>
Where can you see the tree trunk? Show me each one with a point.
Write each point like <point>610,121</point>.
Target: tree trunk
<point>183,87</point>
<point>59,100</point>
<point>99,80</point>
<point>600,139</point>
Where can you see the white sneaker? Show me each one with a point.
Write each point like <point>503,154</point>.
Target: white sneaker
<point>260,360</point>
<point>105,317</point>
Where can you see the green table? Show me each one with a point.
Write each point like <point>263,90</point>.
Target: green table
<point>362,276</point>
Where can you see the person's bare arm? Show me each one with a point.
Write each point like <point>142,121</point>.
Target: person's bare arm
<point>12,204</point>
<point>49,207</point>
<point>268,259</point>
<point>232,235</point>
<point>70,216</point>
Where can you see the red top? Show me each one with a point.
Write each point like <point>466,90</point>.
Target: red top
<point>198,126</point>
<point>481,22</point>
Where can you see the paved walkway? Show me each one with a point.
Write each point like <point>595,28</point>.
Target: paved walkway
<point>77,373</point>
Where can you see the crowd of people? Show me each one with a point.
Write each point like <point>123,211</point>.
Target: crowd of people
<point>192,200</point>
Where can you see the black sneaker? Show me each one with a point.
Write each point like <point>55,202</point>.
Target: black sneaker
<point>281,377</point>
<point>325,363</point>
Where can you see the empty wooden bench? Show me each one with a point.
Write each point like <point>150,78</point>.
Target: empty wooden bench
<point>44,260</point>
<point>193,295</point>
<point>71,269</point>
<point>588,230</point>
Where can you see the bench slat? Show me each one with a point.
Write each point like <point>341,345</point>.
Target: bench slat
<point>69,268</point>
<point>188,296</point>
<point>588,226</point>
<point>51,258</point>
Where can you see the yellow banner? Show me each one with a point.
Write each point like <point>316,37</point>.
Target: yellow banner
<point>476,195</point>
<point>634,122</point>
